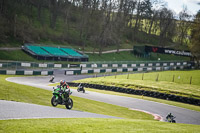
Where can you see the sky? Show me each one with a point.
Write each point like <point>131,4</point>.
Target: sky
<point>177,5</point>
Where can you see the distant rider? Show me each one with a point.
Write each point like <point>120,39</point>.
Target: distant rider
<point>80,86</point>
<point>52,78</point>
<point>170,116</point>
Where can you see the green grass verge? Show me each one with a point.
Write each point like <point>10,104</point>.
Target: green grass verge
<point>91,125</point>
<point>180,86</point>
<point>128,56</point>
<point>22,93</point>
<point>15,55</point>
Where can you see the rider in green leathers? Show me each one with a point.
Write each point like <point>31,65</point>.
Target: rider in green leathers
<point>64,87</point>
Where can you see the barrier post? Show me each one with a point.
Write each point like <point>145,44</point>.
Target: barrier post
<point>143,76</point>
<point>191,80</point>
<point>157,77</point>
<point>173,78</point>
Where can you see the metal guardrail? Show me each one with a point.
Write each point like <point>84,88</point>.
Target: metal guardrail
<point>119,64</point>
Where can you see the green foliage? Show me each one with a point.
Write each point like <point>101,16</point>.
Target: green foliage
<point>66,23</point>
<point>91,125</point>
<point>195,37</point>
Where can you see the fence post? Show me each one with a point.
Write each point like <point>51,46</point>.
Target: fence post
<point>142,76</point>
<point>157,77</point>
<point>115,75</point>
<point>173,78</point>
<point>191,80</point>
<point>128,76</point>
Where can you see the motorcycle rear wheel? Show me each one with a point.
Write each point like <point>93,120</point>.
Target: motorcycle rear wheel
<point>69,103</point>
<point>54,101</point>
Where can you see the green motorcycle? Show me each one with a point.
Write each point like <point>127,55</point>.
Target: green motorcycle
<point>60,97</point>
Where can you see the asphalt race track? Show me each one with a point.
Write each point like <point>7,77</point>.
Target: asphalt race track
<point>182,115</point>
<point>18,110</point>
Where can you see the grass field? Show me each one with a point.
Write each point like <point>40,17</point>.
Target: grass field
<point>91,125</point>
<point>135,121</point>
<point>22,93</point>
<point>181,85</point>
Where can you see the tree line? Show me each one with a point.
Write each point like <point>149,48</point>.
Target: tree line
<point>101,23</point>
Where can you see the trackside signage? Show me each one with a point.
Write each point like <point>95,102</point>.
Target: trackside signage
<point>167,51</point>
<point>145,50</point>
<point>176,52</point>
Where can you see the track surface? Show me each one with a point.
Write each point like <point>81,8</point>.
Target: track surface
<point>182,115</point>
<point>18,110</point>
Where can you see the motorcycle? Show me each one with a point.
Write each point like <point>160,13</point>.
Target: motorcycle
<point>81,88</point>
<point>171,119</point>
<point>51,80</point>
<point>60,97</point>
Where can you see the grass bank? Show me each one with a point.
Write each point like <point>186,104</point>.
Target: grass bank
<point>156,81</point>
<point>22,93</point>
<point>128,56</point>
<point>135,122</point>
<point>19,55</point>
<point>91,125</point>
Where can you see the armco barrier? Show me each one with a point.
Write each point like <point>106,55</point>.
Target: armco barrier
<point>141,92</point>
<point>25,72</point>
<point>102,65</point>
<point>134,69</point>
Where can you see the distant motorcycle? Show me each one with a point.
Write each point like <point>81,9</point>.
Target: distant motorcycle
<point>170,118</point>
<point>81,88</point>
<point>52,78</point>
<point>60,97</point>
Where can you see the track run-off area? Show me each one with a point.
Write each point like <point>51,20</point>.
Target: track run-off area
<point>157,109</point>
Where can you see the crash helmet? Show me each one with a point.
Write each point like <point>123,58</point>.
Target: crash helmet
<point>62,82</point>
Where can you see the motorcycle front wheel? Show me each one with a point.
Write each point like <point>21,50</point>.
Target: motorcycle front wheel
<point>54,101</point>
<point>173,121</point>
<point>69,103</point>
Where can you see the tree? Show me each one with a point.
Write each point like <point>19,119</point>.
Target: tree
<point>156,4</point>
<point>183,26</point>
<point>167,26</point>
<point>54,9</point>
<point>195,37</point>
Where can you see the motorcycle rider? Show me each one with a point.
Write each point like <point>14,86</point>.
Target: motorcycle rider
<point>52,78</point>
<point>64,87</point>
<point>170,117</point>
<point>80,86</point>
